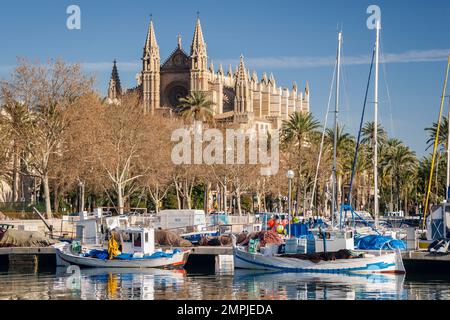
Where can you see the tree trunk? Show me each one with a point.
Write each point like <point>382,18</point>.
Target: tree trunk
<point>391,205</point>
<point>48,206</point>
<point>238,200</point>
<point>339,193</point>
<point>15,184</point>
<point>206,197</point>
<point>55,197</point>
<point>224,198</point>
<point>82,201</point>
<point>406,204</point>
<point>297,195</point>
<point>178,196</point>
<point>120,198</point>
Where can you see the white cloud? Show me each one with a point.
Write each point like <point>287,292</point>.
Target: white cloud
<point>412,56</point>
<point>107,66</point>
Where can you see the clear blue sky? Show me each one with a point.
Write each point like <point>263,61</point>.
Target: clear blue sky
<point>296,40</point>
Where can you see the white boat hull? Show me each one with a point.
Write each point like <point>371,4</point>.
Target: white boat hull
<point>65,257</point>
<point>382,263</point>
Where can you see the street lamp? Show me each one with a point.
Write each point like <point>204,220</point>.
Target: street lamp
<point>290,175</point>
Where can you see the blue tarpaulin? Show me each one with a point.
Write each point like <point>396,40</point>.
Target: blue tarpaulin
<point>377,242</point>
<point>99,254</point>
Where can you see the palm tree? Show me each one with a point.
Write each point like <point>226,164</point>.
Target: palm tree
<point>398,162</point>
<point>443,134</point>
<point>345,145</point>
<point>367,134</point>
<point>296,133</point>
<point>196,107</point>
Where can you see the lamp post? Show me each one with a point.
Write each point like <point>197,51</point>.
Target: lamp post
<point>290,175</point>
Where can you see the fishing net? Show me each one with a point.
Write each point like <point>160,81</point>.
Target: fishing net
<point>264,237</point>
<point>223,240</point>
<point>169,238</point>
<point>16,238</point>
<point>325,256</point>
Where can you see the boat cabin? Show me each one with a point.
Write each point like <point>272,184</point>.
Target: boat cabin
<point>91,228</point>
<point>137,240</point>
<point>438,223</point>
<point>333,240</point>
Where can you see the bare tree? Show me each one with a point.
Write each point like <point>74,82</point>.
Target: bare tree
<point>158,179</point>
<point>48,91</point>
<point>120,145</point>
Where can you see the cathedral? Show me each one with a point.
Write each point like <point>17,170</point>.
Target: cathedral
<point>239,97</point>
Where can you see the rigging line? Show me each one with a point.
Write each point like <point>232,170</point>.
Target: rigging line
<point>358,141</point>
<point>385,77</point>
<point>323,136</point>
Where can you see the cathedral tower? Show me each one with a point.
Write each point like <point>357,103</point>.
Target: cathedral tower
<point>199,61</point>
<point>114,87</point>
<point>243,101</point>
<point>151,67</point>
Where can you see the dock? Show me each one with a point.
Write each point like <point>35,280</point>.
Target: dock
<point>424,261</point>
<point>201,259</point>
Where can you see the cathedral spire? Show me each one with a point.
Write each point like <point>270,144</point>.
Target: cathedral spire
<point>199,61</point>
<point>272,80</point>
<point>179,41</point>
<point>198,46</point>
<point>241,72</point>
<point>254,76</point>
<point>150,43</point>
<point>220,71</point>
<point>151,65</point>
<point>243,100</point>
<point>230,71</point>
<point>115,76</point>
<point>264,78</point>
<point>114,88</point>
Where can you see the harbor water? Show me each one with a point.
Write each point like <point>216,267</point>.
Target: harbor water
<point>150,284</point>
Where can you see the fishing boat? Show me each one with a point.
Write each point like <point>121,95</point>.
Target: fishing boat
<point>323,260</point>
<point>138,251</point>
<point>195,237</point>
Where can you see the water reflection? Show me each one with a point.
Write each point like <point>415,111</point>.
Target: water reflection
<point>125,284</point>
<point>313,286</point>
<point>154,284</point>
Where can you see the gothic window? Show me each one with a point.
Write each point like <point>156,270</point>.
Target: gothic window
<point>174,95</point>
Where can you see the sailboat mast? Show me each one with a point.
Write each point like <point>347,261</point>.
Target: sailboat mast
<point>375,127</point>
<point>336,111</point>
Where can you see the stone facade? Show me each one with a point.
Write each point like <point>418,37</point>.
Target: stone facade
<point>239,97</point>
